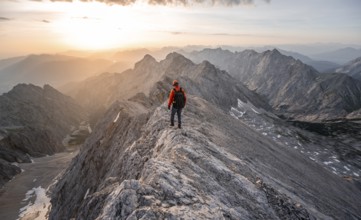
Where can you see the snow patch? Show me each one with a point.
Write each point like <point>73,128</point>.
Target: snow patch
<point>86,194</point>
<point>116,118</point>
<point>41,206</point>
<point>15,164</point>
<point>254,110</point>
<point>89,129</point>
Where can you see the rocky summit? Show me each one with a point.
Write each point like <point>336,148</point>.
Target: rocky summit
<point>220,165</point>
<point>33,123</point>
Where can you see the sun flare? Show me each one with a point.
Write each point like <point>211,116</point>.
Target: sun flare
<point>100,26</point>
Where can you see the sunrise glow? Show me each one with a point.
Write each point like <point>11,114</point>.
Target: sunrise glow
<point>50,26</point>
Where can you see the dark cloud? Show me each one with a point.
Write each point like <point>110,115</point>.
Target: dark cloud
<point>172,2</point>
<point>4,19</point>
<point>45,21</point>
<point>177,33</point>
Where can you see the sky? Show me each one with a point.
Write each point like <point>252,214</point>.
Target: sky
<point>44,26</point>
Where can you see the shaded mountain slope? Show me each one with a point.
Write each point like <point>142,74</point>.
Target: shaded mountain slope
<point>352,68</point>
<point>215,168</point>
<point>294,89</point>
<point>34,121</point>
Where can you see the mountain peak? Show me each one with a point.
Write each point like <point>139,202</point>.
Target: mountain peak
<point>175,59</point>
<point>24,88</point>
<point>147,59</point>
<point>174,55</point>
<point>273,52</point>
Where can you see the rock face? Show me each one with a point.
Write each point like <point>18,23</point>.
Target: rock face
<point>352,68</point>
<point>34,121</point>
<point>293,89</point>
<point>214,168</point>
<point>134,166</point>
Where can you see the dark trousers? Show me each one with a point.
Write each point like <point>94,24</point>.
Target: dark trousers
<point>179,112</point>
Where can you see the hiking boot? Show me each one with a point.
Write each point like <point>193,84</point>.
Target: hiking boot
<point>172,124</point>
<point>179,126</point>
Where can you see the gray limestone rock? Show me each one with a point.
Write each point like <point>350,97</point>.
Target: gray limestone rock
<point>216,167</point>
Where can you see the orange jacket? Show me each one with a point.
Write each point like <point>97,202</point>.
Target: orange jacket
<point>171,96</point>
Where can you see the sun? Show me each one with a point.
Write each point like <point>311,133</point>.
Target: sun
<point>97,26</point>
<point>94,34</point>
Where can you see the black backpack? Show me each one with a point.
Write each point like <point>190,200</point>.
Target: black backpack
<point>179,100</point>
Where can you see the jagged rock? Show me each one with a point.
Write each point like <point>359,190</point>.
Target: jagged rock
<point>295,90</point>
<point>216,167</point>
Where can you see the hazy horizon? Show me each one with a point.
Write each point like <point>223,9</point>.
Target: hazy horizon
<point>54,26</point>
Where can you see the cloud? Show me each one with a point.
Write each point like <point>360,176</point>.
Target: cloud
<point>4,19</point>
<point>86,18</point>
<point>210,34</point>
<point>172,2</point>
<point>45,21</point>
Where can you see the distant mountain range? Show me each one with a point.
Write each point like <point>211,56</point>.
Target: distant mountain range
<point>63,68</point>
<point>340,56</point>
<point>47,69</point>
<point>284,81</point>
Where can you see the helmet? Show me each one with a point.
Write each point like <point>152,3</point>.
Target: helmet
<point>175,82</point>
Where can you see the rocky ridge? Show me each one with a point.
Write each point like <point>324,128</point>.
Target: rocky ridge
<point>217,167</point>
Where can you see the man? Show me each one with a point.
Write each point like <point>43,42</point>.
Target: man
<point>177,98</point>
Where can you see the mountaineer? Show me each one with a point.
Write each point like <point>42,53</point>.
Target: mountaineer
<point>177,98</point>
